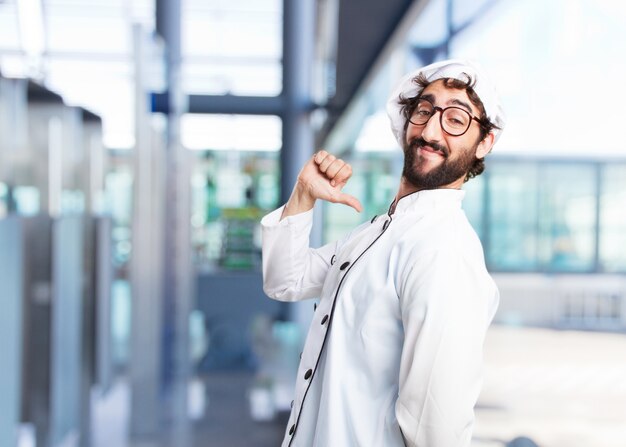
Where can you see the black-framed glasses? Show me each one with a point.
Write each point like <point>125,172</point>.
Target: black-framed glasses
<point>455,121</point>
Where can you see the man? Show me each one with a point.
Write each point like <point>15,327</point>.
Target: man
<point>394,353</point>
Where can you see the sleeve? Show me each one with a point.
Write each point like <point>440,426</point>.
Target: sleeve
<point>447,305</point>
<point>292,271</point>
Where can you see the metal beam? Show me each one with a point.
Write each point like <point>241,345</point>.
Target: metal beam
<point>226,104</point>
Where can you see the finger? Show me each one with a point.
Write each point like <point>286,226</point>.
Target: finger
<point>319,156</point>
<point>334,168</point>
<point>349,200</point>
<point>328,160</point>
<point>343,175</point>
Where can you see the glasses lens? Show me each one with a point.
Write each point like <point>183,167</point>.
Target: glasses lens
<point>422,113</point>
<point>455,121</point>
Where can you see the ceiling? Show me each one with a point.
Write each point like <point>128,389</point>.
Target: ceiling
<point>364,28</point>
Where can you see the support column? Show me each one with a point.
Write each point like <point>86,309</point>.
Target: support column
<point>298,56</point>
<point>177,270</point>
<point>298,136</point>
<point>11,340</point>
<point>146,327</point>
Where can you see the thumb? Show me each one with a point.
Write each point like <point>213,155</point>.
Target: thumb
<point>349,200</point>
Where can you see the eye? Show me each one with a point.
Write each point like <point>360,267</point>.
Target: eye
<point>456,117</point>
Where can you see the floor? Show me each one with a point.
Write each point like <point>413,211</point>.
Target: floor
<point>227,421</point>
<point>558,388</point>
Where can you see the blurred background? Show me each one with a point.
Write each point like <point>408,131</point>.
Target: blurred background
<point>141,141</point>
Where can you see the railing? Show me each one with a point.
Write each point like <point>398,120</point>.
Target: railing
<point>578,302</point>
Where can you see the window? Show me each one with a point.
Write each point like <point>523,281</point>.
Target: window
<point>612,237</point>
<point>232,47</point>
<point>567,217</point>
<point>512,240</point>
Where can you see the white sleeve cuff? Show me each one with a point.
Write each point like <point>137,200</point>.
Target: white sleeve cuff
<point>299,220</point>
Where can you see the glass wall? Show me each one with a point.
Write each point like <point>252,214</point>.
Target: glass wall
<point>512,206</point>
<point>119,202</point>
<point>542,216</point>
<point>612,234</point>
<point>567,217</point>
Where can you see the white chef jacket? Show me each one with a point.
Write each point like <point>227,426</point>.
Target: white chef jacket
<point>393,356</point>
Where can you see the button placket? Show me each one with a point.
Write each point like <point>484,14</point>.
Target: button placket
<point>325,319</point>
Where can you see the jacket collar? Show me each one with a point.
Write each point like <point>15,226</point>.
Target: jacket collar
<point>428,199</point>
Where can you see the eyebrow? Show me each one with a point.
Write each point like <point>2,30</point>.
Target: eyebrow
<point>430,98</point>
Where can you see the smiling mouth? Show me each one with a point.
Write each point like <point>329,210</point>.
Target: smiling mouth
<point>430,148</point>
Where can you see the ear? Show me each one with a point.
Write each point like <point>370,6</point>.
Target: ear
<point>484,147</point>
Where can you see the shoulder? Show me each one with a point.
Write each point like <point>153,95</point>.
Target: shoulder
<point>446,246</point>
<point>446,234</point>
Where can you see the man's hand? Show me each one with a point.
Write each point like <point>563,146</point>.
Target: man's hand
<point>322,177</point>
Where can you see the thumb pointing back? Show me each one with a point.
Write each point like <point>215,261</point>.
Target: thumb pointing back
<point>349,200</point>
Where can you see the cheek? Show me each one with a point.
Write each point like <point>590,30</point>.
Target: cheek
<point>461,145</point>
<point>412,132</point>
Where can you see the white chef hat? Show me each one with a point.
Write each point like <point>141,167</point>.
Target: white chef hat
<point>452,68</point>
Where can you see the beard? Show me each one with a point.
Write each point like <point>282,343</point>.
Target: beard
<point>451,169</point>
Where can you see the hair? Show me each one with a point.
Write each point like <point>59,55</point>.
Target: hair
<point>408,106</point>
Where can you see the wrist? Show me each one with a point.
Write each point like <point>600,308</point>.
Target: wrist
<point>300,201</point>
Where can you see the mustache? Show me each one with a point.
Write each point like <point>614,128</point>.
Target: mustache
<point>420,142</point>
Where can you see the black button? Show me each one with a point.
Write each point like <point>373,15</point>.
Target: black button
<point>292,429</point>
<point>308,374</point>
<point>325,319</point>
<point>344,265</point>
<point>314,307</point>
<point>373,219</point>
<point>386,224</point>
<point>292,404</point>
<point>300,356</point>
<point>332,260</point>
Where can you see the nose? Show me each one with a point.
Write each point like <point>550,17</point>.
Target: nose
<point>432,129</point>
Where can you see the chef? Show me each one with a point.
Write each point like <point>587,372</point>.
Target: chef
<point>393,356</point>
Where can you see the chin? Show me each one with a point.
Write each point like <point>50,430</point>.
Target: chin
<point>424,166</point>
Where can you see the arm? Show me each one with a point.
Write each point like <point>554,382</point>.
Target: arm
<point>447,304</point>
<point>291,269</point>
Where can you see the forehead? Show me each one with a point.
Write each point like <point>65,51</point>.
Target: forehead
<point>442,95</point>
